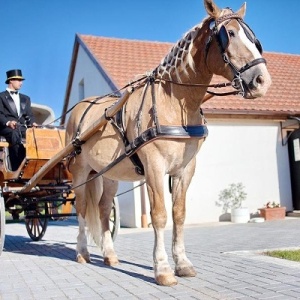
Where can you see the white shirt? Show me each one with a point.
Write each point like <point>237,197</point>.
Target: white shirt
<point>16,98</point>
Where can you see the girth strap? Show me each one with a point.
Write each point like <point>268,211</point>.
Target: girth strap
<point>196,131</point>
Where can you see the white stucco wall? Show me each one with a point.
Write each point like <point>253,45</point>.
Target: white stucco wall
<point>86,72</point>
<point>247,151</point>
<point>130,204</point>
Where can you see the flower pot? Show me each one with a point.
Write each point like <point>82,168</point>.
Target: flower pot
<point>276,213</point>
<point>240,215</point>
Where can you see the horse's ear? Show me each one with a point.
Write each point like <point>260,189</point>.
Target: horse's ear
<point>212,9</point>
<point>242,11</point>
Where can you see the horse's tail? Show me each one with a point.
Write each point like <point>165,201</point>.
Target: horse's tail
<point>94,190</point>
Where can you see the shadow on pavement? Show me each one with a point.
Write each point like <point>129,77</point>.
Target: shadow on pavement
<point>23,245</point>
<point>66,251</point>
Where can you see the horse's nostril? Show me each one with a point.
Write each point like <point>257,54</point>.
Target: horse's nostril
<point>260,79</point>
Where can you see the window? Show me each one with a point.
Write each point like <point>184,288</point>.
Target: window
<point>81,89</point>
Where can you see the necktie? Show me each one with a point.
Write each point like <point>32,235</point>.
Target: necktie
<point>14,92</point>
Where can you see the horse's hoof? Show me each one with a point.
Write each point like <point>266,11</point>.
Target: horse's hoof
<point>166,280</point>
<point>82,260</point>
<point>111,261</point>
<point>185,272</point>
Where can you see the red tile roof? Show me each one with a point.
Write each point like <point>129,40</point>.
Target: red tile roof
<point>123,59</point>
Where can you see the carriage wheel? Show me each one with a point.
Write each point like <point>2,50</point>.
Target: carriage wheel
<point>114,220</point>
<point>36,220</point>
<point>2,224</point>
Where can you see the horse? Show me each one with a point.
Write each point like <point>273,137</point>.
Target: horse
<point>160,132</point>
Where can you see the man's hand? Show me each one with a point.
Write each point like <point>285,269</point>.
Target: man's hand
<point>12,124</point>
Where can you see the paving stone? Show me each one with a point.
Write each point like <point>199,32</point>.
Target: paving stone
<point>227,257</point>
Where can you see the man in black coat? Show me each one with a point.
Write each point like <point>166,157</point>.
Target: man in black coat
<point>15,116</point>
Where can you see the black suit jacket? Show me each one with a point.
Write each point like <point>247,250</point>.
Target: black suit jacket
<point>8,114</point>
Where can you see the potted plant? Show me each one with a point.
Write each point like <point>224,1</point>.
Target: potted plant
<point>272,211</point>
<point>232,198</point>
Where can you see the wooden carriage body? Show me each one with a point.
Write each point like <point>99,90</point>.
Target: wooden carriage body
<point>41,145</point>
<point>48,197</point>
<point>51,197</point>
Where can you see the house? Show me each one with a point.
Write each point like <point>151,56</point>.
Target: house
<point>247,139</point>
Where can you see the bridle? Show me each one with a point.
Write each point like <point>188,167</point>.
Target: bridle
<point>223,41</point>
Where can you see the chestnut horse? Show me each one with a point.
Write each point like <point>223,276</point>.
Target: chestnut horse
<point>162,133</point>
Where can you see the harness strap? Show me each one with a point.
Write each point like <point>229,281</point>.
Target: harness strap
<point>158,131</point>
<point>118,123</point>
<point>222,94</point>
<point>253,63</point>
<point>108,167</point>
<point>140,112</point>
<point>196,131</point>
<point>154,106</point>
<point>199,131</point>
<point>227,17</point>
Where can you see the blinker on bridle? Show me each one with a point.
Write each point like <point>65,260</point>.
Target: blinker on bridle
<point>223,41</point>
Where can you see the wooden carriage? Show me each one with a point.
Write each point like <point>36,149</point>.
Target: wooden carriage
<point>41,145</point>
<point>51,197</point>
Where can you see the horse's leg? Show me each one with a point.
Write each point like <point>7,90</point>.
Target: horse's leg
<point>109,191</point>
<point>83,255</point>
<point>79,176</point>
<point>163,273</point>
<point>183,267</point>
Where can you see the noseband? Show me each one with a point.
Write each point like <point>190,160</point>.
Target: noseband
<point>223,41</point>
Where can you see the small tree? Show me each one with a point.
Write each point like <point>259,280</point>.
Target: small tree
<point>232,197</point>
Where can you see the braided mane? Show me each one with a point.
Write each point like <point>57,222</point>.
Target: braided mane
<point>179,56</point>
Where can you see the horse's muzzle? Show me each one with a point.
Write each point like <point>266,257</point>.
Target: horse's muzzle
<point>253,84</point>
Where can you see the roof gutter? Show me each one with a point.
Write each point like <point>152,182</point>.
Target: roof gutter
<point>250,114</point>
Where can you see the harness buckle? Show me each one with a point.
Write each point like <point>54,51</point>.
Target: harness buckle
<point>237,83</point>
<point>225,58</point>
<point>106,116</point>
<point>77,143</point>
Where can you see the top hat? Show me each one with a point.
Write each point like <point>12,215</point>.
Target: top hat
<point>14,74</point>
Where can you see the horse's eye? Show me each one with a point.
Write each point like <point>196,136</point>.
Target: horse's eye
<point>231,33</point>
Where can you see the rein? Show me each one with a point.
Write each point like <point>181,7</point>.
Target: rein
<point>217,85</point>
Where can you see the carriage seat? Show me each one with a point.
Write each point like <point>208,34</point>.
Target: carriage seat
<point>41,145</point>
<point>3,143</point>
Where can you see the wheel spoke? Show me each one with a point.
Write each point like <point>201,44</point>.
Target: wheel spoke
<point>37,222</point>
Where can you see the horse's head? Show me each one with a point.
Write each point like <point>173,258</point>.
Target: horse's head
<point>233,51</point>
